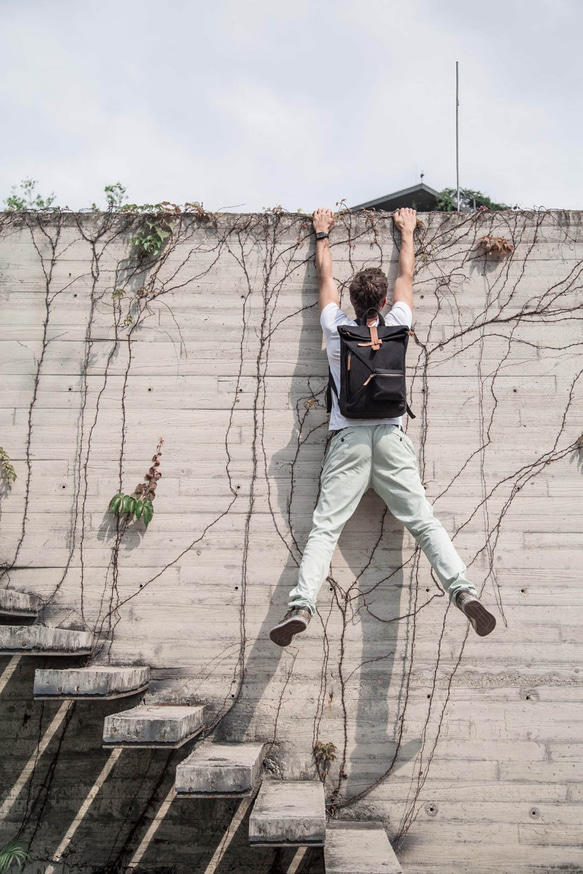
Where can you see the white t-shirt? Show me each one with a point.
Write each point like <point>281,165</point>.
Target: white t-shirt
<point>330,319</point>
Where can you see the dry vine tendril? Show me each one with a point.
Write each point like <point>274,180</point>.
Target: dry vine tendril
<point>139,503</point>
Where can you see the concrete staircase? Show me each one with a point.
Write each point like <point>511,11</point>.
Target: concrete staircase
<point>283,814</point>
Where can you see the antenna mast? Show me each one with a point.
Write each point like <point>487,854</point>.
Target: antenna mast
<point>457,132</point>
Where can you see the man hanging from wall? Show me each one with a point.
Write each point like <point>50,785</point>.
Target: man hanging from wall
<point>370,453</point>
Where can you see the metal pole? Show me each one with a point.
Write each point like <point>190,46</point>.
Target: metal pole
<point>457,132</point>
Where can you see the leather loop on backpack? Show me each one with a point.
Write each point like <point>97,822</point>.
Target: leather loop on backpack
<point>365,317</point>
<point>375,340</point>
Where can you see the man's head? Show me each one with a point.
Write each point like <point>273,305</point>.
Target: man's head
<point>368,289</point>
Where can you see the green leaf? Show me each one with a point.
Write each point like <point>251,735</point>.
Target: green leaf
<point>128,504</point>
<point>116,502</point>
<point>147,512</point>
<point>139,508</point>
<point>12,853</point>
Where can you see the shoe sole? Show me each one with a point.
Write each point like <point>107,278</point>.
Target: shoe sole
<point>282,634</point>
<point>482,621</point>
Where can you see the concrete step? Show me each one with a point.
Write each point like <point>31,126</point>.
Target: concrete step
<point>101,682</point>
<point>38,640</point>
<point>359,848</point>
<point>220,771</point>
<point>288,814</point>
<point>18,606</point>
<point>153,725</point>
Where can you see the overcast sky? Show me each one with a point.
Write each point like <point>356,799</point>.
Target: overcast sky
<point>253,103</point>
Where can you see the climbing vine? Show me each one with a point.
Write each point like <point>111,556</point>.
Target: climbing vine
<point>139,505</point>
<point>221,311</point>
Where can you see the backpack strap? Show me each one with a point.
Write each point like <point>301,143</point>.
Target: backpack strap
<point>375,341</point>
<point>365,317</point>
<point>331,388</point>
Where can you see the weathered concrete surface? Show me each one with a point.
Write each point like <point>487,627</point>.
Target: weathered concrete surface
<point>153,725</point>
<point>359,848</point>
<point>216,346</point>
<point>38,640</point>
<point>288,812</point>
<point>220,769</point>
<point>97,681</point>
<point>18,604</point>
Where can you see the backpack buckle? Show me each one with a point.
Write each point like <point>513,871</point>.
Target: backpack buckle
<point>375,340</point>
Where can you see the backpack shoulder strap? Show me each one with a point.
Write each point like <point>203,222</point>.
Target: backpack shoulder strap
<point>331,388</point>
<point>366,316</point>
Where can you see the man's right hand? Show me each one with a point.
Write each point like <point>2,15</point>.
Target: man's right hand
<point>405,219</point>
<point>323,221</point>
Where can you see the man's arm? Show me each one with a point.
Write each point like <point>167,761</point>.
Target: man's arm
<point>405,220</point>
<point>323,221</point>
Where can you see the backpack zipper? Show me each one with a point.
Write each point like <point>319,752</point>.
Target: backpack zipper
<point>387,373</point>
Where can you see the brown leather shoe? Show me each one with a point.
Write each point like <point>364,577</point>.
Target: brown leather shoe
<point>295,621</point>
<point>482,621</point>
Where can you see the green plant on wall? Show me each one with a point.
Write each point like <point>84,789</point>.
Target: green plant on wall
<point>139,505</point>
<point>25,197</point>
<point>12,854</point>
<point>154,231</point>
<point>157,226</point>
<point>324,754</point>
<point>6,469</point>
<point>115,195</point>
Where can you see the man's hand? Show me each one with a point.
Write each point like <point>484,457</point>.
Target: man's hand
<point>323,221</point>
<point>405,219</point>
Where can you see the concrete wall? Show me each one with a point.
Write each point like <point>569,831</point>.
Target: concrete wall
<point>468,749</point>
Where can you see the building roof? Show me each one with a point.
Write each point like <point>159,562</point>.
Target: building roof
<point>420,197</point>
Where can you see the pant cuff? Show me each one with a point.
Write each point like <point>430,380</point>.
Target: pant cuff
<point>304,605</point>
<point>456,588</point>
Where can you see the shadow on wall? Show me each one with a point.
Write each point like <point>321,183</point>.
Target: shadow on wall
<point>264,658</point>
<point>350,651</point>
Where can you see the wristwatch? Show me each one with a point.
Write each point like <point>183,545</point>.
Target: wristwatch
<point>322,236</point>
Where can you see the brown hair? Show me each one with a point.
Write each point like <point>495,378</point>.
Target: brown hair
<point>368,289</point>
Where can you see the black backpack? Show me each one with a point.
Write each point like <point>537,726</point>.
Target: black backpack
<point>372,370</point>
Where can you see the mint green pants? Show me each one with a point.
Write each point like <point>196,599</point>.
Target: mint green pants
<point>381,457</point>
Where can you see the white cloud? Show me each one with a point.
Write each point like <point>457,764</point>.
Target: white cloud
<point>298,104</point>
